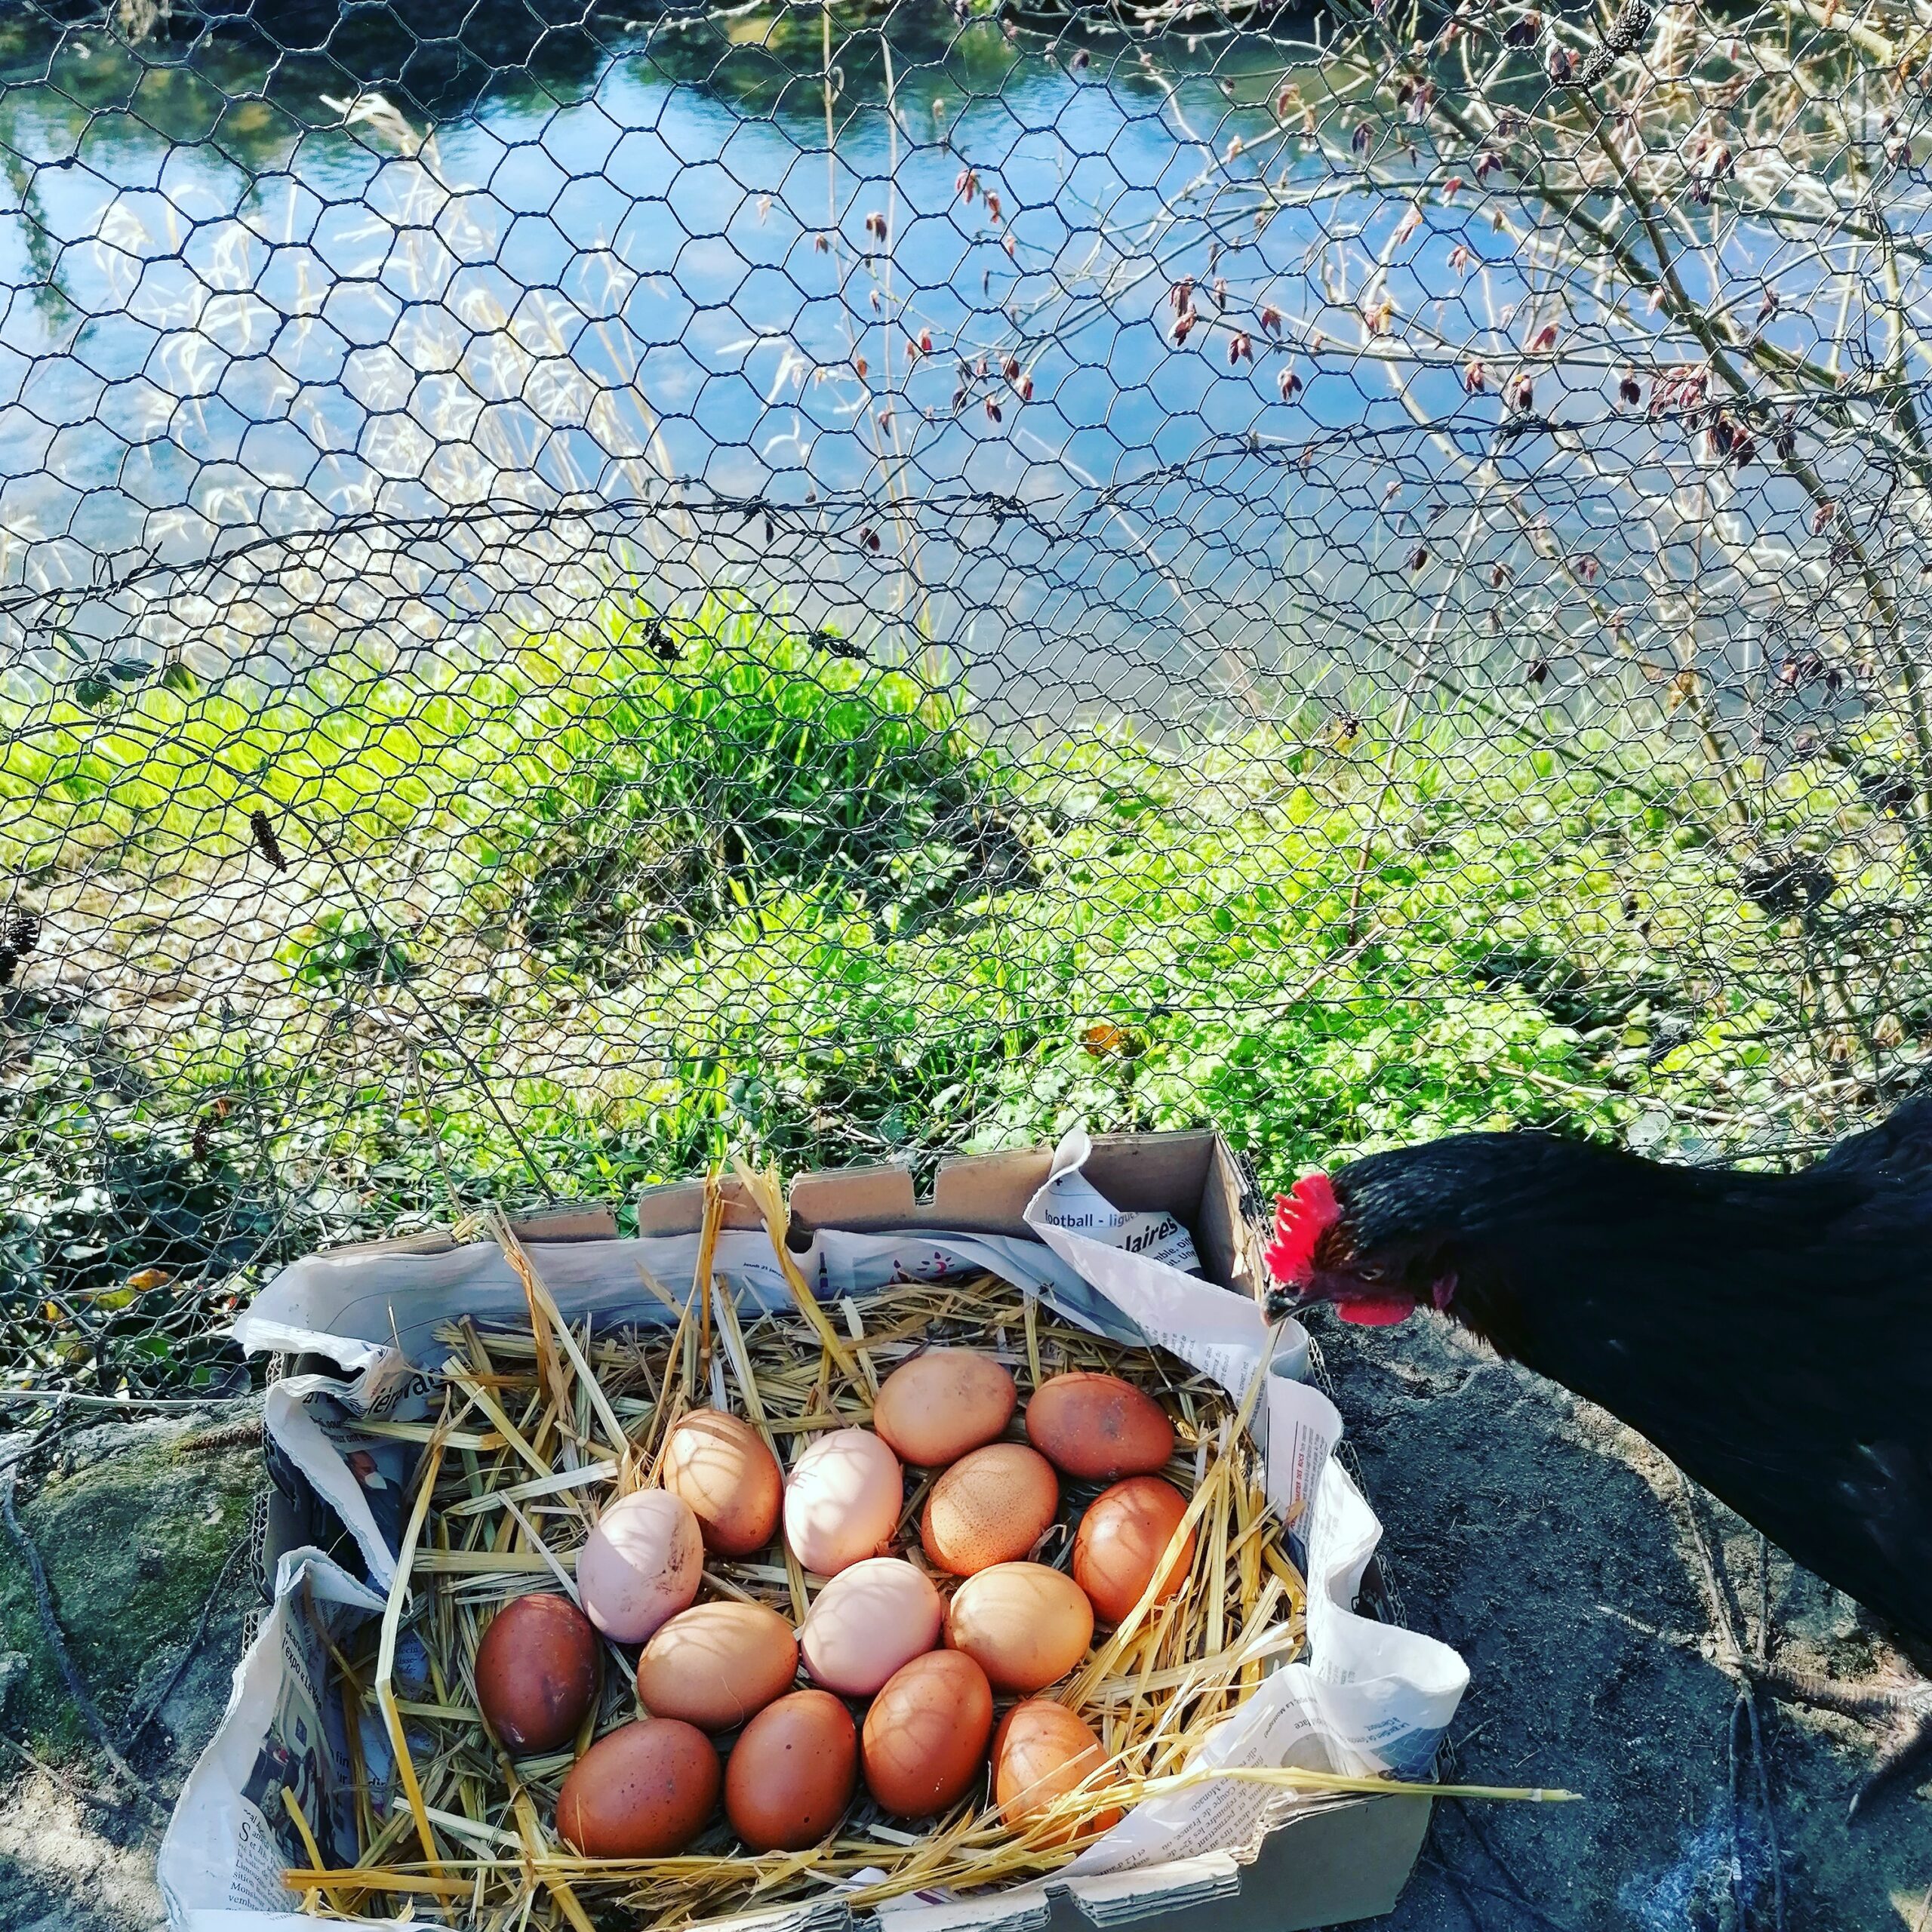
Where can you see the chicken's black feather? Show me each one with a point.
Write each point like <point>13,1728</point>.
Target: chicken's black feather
<point>1770,1333</point>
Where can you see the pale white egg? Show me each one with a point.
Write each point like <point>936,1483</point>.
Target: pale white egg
<point>842,1502</point>
<point>640,1564</point>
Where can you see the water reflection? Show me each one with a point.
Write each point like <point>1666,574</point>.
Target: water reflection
<point>868,311</point>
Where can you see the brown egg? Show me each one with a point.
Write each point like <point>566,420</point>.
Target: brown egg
<point>1098,1425</point>
<point>644,1790</point>
<point>925,1735</point>
<point>991,1507</point>
<point>1040,1751</point>
<point>537,1672</point>
<point>716,1664</point>
<point>1024,1625</point>
<point>931,1410</point>
<point>1123,1535</point>
<point>791,1775</point>
<point>722,1469</point>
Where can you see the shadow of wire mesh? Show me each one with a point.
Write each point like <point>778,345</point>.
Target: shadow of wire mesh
<point>584,586</point>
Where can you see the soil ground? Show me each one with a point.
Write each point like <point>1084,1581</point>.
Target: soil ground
<point>1538,1535</point>
<point>1549,1544</point>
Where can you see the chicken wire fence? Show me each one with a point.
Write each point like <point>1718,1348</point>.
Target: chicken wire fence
<point>864,580</point>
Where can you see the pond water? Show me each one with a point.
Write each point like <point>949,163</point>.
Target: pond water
<point>868,314</point>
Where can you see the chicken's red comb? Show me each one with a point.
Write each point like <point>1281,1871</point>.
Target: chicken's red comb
<point>1301,1219</point>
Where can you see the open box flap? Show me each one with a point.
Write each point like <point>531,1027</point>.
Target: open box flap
<point>1190,1174</point>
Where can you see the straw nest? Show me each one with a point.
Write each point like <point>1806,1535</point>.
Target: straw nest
<point>539,1429</point>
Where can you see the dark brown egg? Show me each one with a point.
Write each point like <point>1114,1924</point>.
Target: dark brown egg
<point>792,1772</point>
<point>990,1507</point>
<point>722,1469</point>
<point>924,1743</point>
<point>536,1673</point>
<point>1098,1426</point>
<point>644,1790</point>
<point>1124,1535</point>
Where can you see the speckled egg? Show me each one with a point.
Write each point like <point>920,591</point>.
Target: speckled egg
<point>792,1774</point>
<point>842,1503</point>
<point>640,1564</point>
<point>990,1507</point>
<point>645,1790</point>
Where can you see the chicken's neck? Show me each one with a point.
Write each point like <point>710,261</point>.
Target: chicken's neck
<point>1584,1299</point>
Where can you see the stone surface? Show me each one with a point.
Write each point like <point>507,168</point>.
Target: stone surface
<point>136,1525</point>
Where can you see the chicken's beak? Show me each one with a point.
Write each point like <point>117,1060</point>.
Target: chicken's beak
<point>1279,1302</point>
<point>1367,1304</point>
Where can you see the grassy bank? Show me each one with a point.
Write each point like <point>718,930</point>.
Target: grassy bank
<point>332,959</point>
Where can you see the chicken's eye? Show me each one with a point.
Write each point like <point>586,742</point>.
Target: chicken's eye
<point>1371,1273</point>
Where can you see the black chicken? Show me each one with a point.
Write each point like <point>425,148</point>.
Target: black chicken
<point>1772,1334</point>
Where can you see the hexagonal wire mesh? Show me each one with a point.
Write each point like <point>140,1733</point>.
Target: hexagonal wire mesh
<point>868,580</point>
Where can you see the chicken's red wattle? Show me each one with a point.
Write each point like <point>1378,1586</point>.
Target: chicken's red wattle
<point>1368,1314</point>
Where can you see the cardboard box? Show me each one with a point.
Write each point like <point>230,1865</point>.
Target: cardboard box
<point>1335,1862</point>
